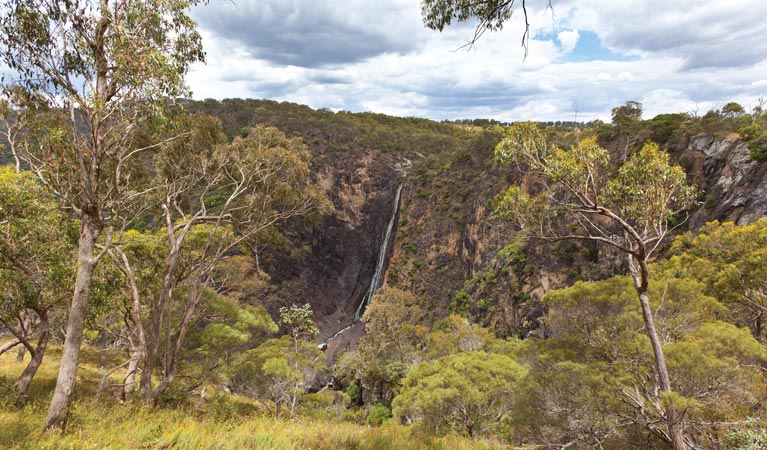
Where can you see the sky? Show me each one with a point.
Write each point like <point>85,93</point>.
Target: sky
<point>585,57</point>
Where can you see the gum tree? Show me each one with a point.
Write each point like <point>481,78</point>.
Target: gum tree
<point>104,68</point>
<point>213,198</point>
<point>575,194</point>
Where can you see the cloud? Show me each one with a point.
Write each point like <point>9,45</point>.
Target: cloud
<point>410,71</point>
<point>703,33</point>
<point>309,33</point>
<point>568,39</point>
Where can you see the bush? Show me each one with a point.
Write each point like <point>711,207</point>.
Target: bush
<point>750,132</point>
<point>174,395</point>
<point>7,393</point>
<point>324,405</point>
<point>354,391</point>
<point>379,414</point>
<point>745,440</point>
<point>758,148</point>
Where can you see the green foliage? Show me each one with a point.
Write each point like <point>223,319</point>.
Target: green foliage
<point>379,415</point>
<point>732,109</point>
<point>469,393</point>
<point>223,407</point>
<point>36,260</point>
<point>394,341</point>
<point>758,148</point>
<point>627,114</point>
<point>745,440</point>
<point>276,371</point>
<point>730,260</point>
<point>354,391</point>
<point>649,189</point>
<point>175,395</point>
<point>168,45</point>
<point>438,14</point>
<point>598,369</point>
<point>665,127</point>
<point>456,334</point>
<point>646,192</point>
<point>750,132</point>
<point>299,319</point>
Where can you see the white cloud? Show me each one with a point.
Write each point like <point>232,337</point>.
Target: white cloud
<point>414,71</point>
<point>568,39</point>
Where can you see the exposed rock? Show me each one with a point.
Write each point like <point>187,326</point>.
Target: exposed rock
<point>734,185</point>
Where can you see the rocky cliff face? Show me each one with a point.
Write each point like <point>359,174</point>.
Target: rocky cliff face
<point>330,265</point>
<point>448,249</point>
<point>734,185</point>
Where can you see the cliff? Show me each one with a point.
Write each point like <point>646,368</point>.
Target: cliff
<point>449,250</point>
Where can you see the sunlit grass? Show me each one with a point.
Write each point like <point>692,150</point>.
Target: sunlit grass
<point>105,423</point>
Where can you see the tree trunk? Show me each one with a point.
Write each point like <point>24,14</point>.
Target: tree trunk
<point>641,282</point>
<point>65,383</point>
<point>145,386</point>
<point>130,377</point>
<point>26,328</point>
<point>22,384</point>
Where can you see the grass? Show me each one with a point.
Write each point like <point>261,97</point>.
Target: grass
<point>107,424</point>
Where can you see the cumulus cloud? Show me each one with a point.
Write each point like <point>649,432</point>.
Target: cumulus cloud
<point>376,56</point>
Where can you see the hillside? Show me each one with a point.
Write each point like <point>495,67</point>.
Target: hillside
<point>449,250</point>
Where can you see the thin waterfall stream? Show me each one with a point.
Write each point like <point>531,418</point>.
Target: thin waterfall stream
<point>378,274</point>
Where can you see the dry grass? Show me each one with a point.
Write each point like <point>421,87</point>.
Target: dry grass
<point>107,424</point>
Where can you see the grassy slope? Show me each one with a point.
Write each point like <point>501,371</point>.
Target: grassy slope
<point>105,423</point>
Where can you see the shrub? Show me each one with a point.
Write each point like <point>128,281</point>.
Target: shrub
<point>750,132</point>
<point>174,395</point>
<point>379,414</point>
<point>758,148</point>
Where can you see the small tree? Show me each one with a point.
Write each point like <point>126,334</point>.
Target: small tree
<point>300,323</point>
<point>593,380</point>
<point>470,393</point>
<point>394,341</point>
<point>214,198</point>
<point>279,368</point>
<point>631,209</point>
<point>627,114</point>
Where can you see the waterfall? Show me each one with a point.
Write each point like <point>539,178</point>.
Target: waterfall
<point>377,279</point>
<point>378,274</point>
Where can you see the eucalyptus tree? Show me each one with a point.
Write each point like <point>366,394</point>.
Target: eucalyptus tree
<point>471,393</point>
<point>592,380</point>
<point>105,67</point>
<point>214,198</point>
<point>278,369</point>
<point>577,195</point>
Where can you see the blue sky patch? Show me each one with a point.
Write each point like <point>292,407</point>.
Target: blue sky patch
<point>589,48</point>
